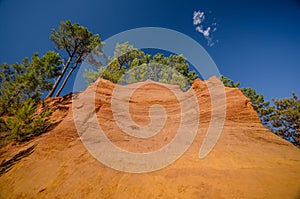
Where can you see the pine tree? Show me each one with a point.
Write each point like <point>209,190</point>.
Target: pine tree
<point>141,66</point>
<point>76,42</point>
<point>228,82</point>
<point>259,104</point>
<point>21,88</point>
<point>285,119</point>
<point>27,80</point>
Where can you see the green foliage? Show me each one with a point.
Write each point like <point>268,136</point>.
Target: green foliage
<point>21,88</point>
<point>27,80</point>
<point>75,39</point>
<point>23,84</point>
<point>3,126</point>
<point>25,123</point>
<point>113,71</point>
<point>228,82</point>
<point>128,55</point>
<point>76,42</point>
<point>130,65</point>
<point>259,104</point>
<point>285,119</point>
<point>156,72</point>
<point>178,63</point>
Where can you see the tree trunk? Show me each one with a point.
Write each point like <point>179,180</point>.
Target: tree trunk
<point>65,80</point>
<point>59,78</point>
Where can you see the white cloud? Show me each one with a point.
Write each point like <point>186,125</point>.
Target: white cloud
<point>198,17</point>
<point>206,31</point>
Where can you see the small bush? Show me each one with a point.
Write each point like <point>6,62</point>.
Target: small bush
<point>25,123</point>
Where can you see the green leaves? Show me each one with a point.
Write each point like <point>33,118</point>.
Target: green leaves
<point>22,85</point>
<point>156,72</point>
<point>228,82</point>
<point>258,102</point>
<point>29,79</point>
<point>179,64</point>
<point>75,41</point>
<point>286,119</point>
<point>25,123</point>
<point>138,66</point>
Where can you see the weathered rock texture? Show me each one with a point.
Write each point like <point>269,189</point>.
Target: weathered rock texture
<point>248,161</point>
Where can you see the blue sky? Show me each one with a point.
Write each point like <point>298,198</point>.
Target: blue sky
<point>259,40</point>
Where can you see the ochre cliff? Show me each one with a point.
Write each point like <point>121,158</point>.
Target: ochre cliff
<point>248,161</point>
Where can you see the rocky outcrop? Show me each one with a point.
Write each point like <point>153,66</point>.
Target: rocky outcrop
<point>247,161</point>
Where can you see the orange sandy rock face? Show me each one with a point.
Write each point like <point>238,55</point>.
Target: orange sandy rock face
<point>139,104</point>
<point>248,161</point>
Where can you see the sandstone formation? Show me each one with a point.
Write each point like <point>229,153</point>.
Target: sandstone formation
<point>248,161</point>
